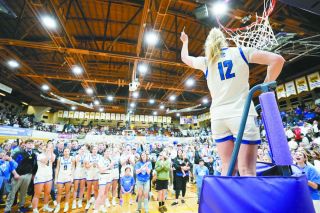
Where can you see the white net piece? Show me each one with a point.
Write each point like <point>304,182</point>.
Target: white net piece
<point>258,35</point>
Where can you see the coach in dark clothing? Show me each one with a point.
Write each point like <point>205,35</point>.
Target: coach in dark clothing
<point>27,162</point>
<point>209,165</point>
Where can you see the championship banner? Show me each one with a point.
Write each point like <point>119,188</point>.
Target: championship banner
<point>164,119</point>
<point>118,117</point>
<point>314,80</point>
<point>108,116</point>
<point>137,118</point>
<point>92,114</point>
<point>65,114</point>
<point>290,88</point>
<point>155,118</point>
<point>169,120</point>
<point>103,116</point>
<point>76,114</point>
<point>123,117</point>
<point>146,118</point>
<point>60,114</point>
<point>302,85</point>
<point>150,118</point>
<point>97,115</point>
<point>142,118</point>
<point>132,118</point>
<point>87,115</point>
<point>113,116</point>
<point>71,113</point>
<point>281,92</point>
<point>81,114</point>
<point>159,119</point>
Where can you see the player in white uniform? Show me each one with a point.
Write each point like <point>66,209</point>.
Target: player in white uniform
<point>105,166</point>
<point>79,178</point>
<point>115,174</point>
<point>43,178</point>
<point>64,176</point>
<point>91,164</point>
<point>227,72</point>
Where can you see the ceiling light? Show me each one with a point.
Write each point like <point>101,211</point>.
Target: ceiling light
<point>110,98</point>
<point>143,68</point>
<point>13,64</point>
<point>205,101</point>
<point>24,103</point>
<point>49,22</point>
<point>73,107</point>
<point>161,106</point>
<point>152,101</point>
<point>130,112</point>
<point>135,94</point>
<point>132,105</point>
<point>154,113</point>
<point>190,82</point>
<point>172,98</point>
<point>48,111</point>
<point>219,8</point>
<point>77,70</point>
<point>152,38</point>
<point>45,87</point>
<point>62,100</point>
<point>178,114</point>
<point>101,109</point>
<point>96,102</point>
<point>89,91</point>
<point>2,94</point>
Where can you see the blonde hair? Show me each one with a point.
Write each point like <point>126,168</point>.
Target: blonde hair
<point>215,41</point>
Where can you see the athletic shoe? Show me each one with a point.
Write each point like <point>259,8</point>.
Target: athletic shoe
<point>114,202</point>
<point>46,208</point>
<point>35,211</point>
<point>92,200</point>
<point>55,203</point>
<point>79,204</point>
<point>57,209</point>
<point>131,202</point>
<point>74,204</point>
<point>174,203</point>
<point>87,206</point>
<point>165,208</point>
<point>23,210</point>
<point>7,212</point>
<point>108,203</point>
<point>66,207</point>
<point>103,209</point>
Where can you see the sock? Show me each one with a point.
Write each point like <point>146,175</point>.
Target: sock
<point>146,205</point>
<point>160,204</point>
<point>139,204</point>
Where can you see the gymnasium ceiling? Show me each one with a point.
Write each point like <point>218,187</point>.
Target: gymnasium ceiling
<point>106,38</point>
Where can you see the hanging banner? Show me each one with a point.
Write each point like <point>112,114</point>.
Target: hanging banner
<point>123,117</point>
<point>169,120</point>
<point>97,115</point>
<point>71,113</point>
<point>113,116</point>
<point>302,85</point>
<point>281,92</point>
<point>87,115</point>
<point>159,119</point>
<point>60,114</point>
<point>108,116</point>
<point>137,118</point>
<point>164,119</point>
<point>103,116</point>
<point>65,114</point>
<point>142,118</point>
<point>92,114</point>
<point>314,80</point>
<point>132,118</point>
<point>76,114</point>
<point>81,114</point>
<point>118,117</point>
<point>150,118</point>
<point>290,88</point>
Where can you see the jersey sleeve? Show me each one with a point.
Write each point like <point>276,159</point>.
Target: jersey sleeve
<point>248,51</point>
<point>199,63</point>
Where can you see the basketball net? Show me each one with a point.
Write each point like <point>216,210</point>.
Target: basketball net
<point>259,34</point>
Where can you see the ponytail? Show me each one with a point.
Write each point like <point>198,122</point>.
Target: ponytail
<point>215,41</point>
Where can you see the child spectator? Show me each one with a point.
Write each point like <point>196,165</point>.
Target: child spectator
<point>200,172</point>
<point>127,184</point>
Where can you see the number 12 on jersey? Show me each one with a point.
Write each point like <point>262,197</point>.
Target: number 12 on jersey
<point>226,73</point>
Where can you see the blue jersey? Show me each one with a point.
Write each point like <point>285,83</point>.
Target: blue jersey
<point>200,172</point>
<point>127,182</point>
<point>314,176</point>
<point>143,176</point>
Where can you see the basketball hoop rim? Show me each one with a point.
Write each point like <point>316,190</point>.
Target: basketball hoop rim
<point>265,15</point>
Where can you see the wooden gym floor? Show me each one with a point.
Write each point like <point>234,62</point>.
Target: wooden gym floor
<point>190,206</point>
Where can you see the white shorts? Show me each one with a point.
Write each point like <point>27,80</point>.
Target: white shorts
<point>227,129</point>
<point>41,177</point>
<point>64,177</point>
<point>92,174</point>
<point>115,174</point>
<point>79,174</point>
<point>104,179</point>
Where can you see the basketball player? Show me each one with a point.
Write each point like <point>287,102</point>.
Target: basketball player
<point>227,72</point>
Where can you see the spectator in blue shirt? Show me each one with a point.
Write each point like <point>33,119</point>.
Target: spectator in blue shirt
<point>127,184</point>
<point>200,172</point>
<point>143,169</point>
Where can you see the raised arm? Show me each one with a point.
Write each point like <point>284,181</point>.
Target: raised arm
<point>184,51</point>
<point>273,61</point>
